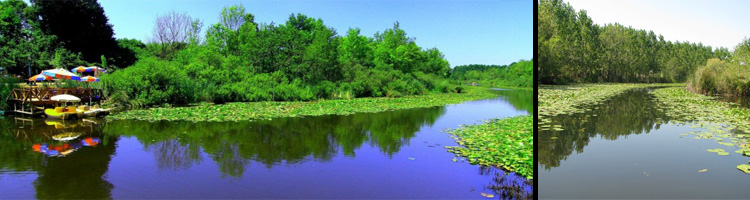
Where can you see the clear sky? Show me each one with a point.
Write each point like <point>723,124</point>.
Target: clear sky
<point>714,23</point>
<point>467,32</point>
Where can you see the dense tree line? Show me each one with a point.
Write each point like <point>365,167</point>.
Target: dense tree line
<point>517,74</point>
<point>239,59</point>
<point>51,33</point>
<point>571,48</point>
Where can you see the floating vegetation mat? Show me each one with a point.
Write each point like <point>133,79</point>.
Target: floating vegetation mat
<point>506,143</point>
<point>570,99</point>
<point>268,110</point>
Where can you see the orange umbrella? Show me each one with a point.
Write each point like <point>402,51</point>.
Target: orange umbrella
<point>40,77</point>
<point>89,79</point>
<point>80,69</point>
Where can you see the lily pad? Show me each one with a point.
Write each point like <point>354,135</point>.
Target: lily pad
<point>723,153</point>
<point>702,170</point>
<point>715,150</point>
<point>726,144</point>
<point>744,168</point>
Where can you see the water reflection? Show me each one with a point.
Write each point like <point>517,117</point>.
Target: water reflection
<point>63,165</point>
<point>394,154</point>
<point>177,145</point>
<point>520,99</point>
<point>633,112</point>
<point>508,185</point>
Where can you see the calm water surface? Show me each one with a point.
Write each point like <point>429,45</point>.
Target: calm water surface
<point>624,148</point>
<point>396,154</point>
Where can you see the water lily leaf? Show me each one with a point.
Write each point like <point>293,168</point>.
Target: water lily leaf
<point>723,153</point>
<point>702,170</point>
<point>726,144</point>
<point>715,150</point>
<point>744,168</point>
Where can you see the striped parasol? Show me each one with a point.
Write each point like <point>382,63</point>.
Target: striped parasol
<point>80,69</point>
<point>40,77</point>
<point>95,68</point>
<point>61,73</point>
<point>89,79</point>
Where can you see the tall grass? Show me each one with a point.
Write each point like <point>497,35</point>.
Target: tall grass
<point>721,77</point>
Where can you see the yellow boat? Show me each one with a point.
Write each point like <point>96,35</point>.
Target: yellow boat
<point>62,113</point>
<point>66,136</point>
<point>56,113</point>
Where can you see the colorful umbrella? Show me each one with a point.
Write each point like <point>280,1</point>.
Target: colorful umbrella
<point>89,79</point>
<point>81,69</point>
<point>61,73</point>
<point>40,77</point>
<point>95,68</point>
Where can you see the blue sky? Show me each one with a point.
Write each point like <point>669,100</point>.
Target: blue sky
<point>714,23</point>
<point>467,32</point>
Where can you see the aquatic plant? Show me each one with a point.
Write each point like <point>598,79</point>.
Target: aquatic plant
<point>506,143</point>
<point>270,109</point>
<point>568,99</point>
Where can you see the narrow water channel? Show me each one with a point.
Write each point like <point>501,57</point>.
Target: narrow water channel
<point>395,154</point>
<point>626,148</point>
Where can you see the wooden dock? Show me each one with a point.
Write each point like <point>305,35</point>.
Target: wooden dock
<point>33,100</point>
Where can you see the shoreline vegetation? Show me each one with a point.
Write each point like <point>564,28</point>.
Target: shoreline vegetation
<point>238,111</point>
<point>506,143</point>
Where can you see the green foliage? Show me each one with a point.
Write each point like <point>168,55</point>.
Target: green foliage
<point>574,49</point>
<point>82,27</point>
<point>517,74</point>
<point>299,60</point>
<point>507,143</point>
<point>6,86</point>
<point>721,77</point>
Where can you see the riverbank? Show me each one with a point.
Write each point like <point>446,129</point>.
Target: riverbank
<point>271,109</point>
<point>506,143</point>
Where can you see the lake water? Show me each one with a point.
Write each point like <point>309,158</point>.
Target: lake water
<point>395,154</point>
<point>625,148</point>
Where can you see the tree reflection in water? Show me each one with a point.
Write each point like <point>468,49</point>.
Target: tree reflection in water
<point>61,176</point>
<point>232,145</point>
<point>633,112</point>
<point>508,185</point>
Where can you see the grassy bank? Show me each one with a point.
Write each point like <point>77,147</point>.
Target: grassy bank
<point>268,110</point>
<point>506,143</point>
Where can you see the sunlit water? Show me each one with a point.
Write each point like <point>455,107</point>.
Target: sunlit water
<point>395,154</point>
<point>625,148</point>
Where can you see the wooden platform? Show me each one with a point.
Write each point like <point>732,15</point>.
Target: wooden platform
<point>33,100</point>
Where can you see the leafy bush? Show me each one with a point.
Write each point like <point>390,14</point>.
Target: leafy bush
<point>721,77</point>
<point>6,87</point>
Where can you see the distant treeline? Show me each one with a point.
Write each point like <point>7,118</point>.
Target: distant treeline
<point>517,74</point>
<point>571,48</point>
<point>301,59</point>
